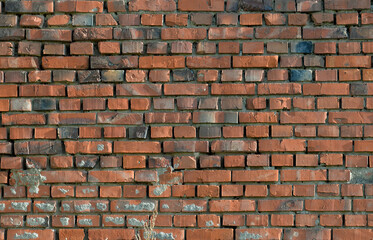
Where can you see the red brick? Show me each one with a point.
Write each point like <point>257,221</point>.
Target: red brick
<point>348,61</point>
<point>303,175</point>
<point>329,205</point>
<point>64,62</point>
<point>23,119</point>
<point>306,220</point>
<point>251,19</point>
<point>285,220</point>
<point>81,48</point>
<point>303,233</point>
<point>232,205</point>
<point>18,62</point>
<point>183,33</point>
<point>79,6</point>
<point>158,5</point>
<point>71,118</point>
<point>297,19</point>
<point>195,5</point>
<point>97,234</point>
<point>331,220</point>
<point>31,21</point>
<point>325,33</point>
<point>92,90</point>
<point>280,190</point>
<point>152,19</point>
<point>185,89</point>
<point>274,19</point>
<point>109,47</point>
<point>355,220</point>
<point>304,190</point>
<point>185,221</point>
<point>255,176</point>
<point>49,35</point>
<point>232,89</point>
<point>320,18</point>
<point>253,47</point>
<point>140,104</point>
<point>61,162</point>
<point>325,47</point>
<point>58,20</point>
<point>255,61</point>
<point>229,47</point>
<point>282,160</point>
<point>280,205</point>
<point>325,89</point>
<point>256,220</point>
<point>208,62</point>
<point>349,47</point>
<point>272,233</point>
<point>162,62</point>
<point>136,147</point>
<point>278,33</point>
<point>363,234</point>
<point>286,145</point>
<point>176,19</point>
<point>41,233</point>
<point>105,20</point>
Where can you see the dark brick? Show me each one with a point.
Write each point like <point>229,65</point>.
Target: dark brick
<point>285,5</point>
<point>92,34</point>
<point>313,61</point>
<point>114,62</point>
<point>86,161</point>
<point>187,103</point>
<point>89,76</point>
<point>38,147</point>
<point>83,20</point>
<point>232,5</point>
<point>43,104</point>
<point>300,75</point>
<point>309,5</point>
<point>361,33</point>
<point>209,132</point>
<point>157,48</point>
<point>12,34</point>
<point>346,4</point>
<point>231,103</point>
<point>112,75</point>
<point>15,77</point>
<point>29,48</point>
<point>358,89</point>
<point>8,20</point>
<point>256,5</point>
<point>68,133</point>
<point>28,6</point>
<point>208,103</point>
<point>160,162</point>
<point>64,75</point>
<point>138,132</point>
<point>302,47</point>
<point>201,19</point>
<point>183,75</point>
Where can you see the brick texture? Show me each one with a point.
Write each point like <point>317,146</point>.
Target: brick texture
<point>233,119</point>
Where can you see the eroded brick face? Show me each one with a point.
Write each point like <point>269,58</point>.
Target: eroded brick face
<point>233,119</point>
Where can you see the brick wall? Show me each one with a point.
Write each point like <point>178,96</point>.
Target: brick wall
<point>234,119</point>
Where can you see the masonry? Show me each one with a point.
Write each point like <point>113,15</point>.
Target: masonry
<point>233,119</point>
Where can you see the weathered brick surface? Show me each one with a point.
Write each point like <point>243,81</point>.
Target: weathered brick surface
<point>233,119</point>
